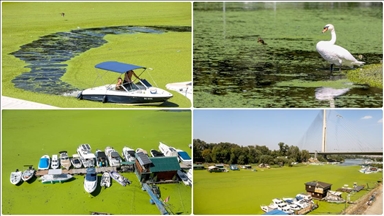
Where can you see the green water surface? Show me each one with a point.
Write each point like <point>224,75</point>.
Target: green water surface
<point>231,69</point>
<point>29,134</point>
<point>242,192</point>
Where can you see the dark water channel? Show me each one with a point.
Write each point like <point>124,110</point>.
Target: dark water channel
<point>231,69</point>
<point>45,57</point>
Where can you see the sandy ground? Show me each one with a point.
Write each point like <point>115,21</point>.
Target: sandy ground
<point>14,103</point>
<point>377,206</point>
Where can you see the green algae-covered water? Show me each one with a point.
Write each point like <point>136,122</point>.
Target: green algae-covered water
<point>29,134</point>
<point>231,69</point>
<point>242,192</point>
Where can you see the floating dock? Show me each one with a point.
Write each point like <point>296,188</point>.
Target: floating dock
<point>156,200</point>
<point>80,171</point>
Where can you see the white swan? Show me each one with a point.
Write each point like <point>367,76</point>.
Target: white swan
<point>336,55</point>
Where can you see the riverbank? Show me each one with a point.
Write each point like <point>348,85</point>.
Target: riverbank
<point>361,208</point>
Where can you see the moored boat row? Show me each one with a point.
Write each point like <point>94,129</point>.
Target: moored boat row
<point>290,205</point>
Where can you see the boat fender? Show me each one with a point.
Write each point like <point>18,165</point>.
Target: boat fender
<point>80,95</point>
<point>153,90</point>
<point>105,99</point>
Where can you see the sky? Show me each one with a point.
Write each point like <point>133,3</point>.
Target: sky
<point>347,129</point>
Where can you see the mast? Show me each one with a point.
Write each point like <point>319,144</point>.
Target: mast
<point>324,131</point>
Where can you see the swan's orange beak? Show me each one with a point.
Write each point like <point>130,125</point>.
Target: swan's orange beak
<point>325,29</point>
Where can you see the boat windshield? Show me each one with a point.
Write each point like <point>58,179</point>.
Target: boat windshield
<point>91,177</point>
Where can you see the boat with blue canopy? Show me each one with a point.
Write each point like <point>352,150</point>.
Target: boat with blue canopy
<point>137,92</point>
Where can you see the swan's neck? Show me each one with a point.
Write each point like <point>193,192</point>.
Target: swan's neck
<point>333,39</point>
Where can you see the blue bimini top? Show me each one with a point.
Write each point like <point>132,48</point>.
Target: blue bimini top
<point>117,67</point>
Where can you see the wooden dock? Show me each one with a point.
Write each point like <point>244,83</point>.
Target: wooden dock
<point>80,171</point>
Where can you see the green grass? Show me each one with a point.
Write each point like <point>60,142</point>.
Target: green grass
<point>371,75</point>
<point>169,54</point>
<point>242,192</point>
<point>29,134</point>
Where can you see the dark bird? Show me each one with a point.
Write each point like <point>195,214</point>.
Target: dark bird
<point>259,40</point>
<point>62,14</point>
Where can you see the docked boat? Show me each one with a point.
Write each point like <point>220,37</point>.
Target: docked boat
<point>113,157</point>
<point>55,162</point>
<point>90,180</point>
<point>141,92</point>
<point>28,173</point>
<point>183,157</point>
<point>141,150</point>
<point>64,160</point>
<point>119,178</point>
<point>129,154</point>
<point>102,159</point>
<point>285,208</point>
<point>86,156</point>
<point>76,161</point>
<point>155,153</point>
<point>189,175</point>
<point>44,163</point>
<point>167,150</point>
<point>15,177</point>
<point>55,176</point>
<point>267,208</point>
<point>105,180</point>
<point>184,178</point>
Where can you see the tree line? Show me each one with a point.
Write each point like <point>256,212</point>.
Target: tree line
<point>230,153</point>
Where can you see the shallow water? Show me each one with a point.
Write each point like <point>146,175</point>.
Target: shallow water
<point>232,70</point>
<point>45,57</point>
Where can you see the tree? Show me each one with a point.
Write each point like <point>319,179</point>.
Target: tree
<point>206,154</point>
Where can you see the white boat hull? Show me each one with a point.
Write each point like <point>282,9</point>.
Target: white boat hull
<point>107,93</point>
<point>15,177</point>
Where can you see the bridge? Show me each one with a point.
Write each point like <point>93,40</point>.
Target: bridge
<point>333,134</point>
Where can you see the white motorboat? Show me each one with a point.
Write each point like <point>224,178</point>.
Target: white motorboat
<point>44,162</point>
<point>167,150</point>
<point>184,157</point>
<point>189,175</point>
<point>266,208</point>
<point>105,180</point>
<point>76,161</point>
<point>141,150</point>
<point>55,176</point>
<point>55,162</point>
<point>184,88</point>
<point>28,173</point>
<point>64,160</point>
<point>295,207</point>
<point>141,92</point>
<point>155,153</point>
<point>102,159</point>
<point>87,157</point>
<point>184,178</point>
<point>15,177</point>
<point>119,178</point>
<point>285,208</point>
<point>113,157</point>
<point>129,154</point>
<point>90,180</point>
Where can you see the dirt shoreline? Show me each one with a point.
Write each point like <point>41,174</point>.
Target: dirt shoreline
<point>361,207</point>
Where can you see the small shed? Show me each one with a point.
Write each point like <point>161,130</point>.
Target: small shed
<point>164,168</point>
<point>198,166</point>
<point>317,189</point>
